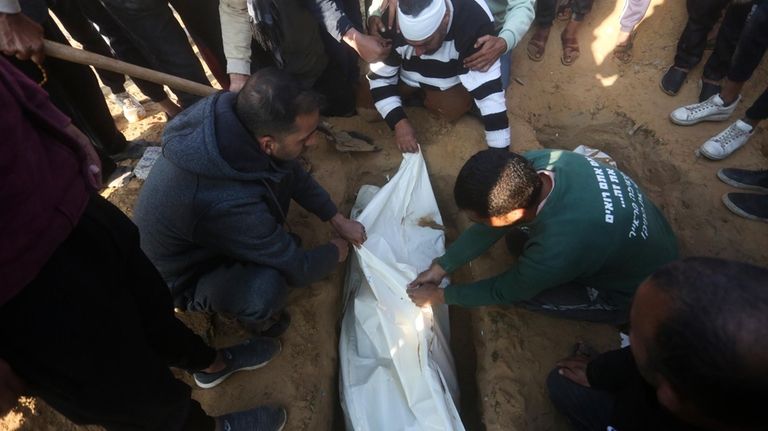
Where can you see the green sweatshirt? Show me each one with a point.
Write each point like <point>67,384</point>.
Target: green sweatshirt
<point>596,228</point>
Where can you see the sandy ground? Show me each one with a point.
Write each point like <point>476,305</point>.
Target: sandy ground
<point>503,354</point>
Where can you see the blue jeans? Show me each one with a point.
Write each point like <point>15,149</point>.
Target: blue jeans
<point>249,292</point>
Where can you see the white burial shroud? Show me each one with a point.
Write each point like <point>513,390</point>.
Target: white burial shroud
<point>397,372</point>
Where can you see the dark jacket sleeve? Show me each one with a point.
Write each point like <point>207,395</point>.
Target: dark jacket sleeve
<point>311,195</point>
<point>331,15</point>
<point>612,370</point>
<point>246,230</point>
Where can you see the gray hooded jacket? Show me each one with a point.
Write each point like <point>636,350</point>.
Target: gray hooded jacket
<point>214,196</point>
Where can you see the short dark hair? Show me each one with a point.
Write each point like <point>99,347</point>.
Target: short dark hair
<point>270,101</point>
<point>414,7</point>
<point>495,182</point>
<point>713,345</point>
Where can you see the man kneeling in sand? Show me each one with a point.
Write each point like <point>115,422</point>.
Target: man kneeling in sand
<point>213,210</point>
<point>590,236</point>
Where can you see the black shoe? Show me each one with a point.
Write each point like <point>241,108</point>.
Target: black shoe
<point>250,355</point>
<point>708,90</point>
<point>745,179</point>
<point>258,419</point>
<point>672,80</point>
<point>749,205</point>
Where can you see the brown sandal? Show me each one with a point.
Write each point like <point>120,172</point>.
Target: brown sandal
<point>571,50</point>
<point>565,11</point>
<point>537,45</point>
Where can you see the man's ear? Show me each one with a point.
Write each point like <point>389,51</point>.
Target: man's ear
<point>267,144</point>
<point>667,396</point>
<point>507,219</point>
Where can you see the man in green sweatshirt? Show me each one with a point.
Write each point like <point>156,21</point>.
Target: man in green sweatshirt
<point>592,236</point>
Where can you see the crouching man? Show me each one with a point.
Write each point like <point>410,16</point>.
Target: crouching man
<point>213,210</point>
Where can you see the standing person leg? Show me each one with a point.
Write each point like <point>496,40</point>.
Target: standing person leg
<point>716,67</point>
<point>152,27</point>
<point>545,16</point>
<point>702,16</point>
<point>75,336</point>
<point>631,15</point>
<point>202,21</point>
<point>749,53</point>
<point>124,49</point>
<point>569,36</point>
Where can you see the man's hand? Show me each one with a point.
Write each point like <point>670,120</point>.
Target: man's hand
<point>343,247</point>
<point>426,294</point>
<point>92,165</point>
<point>376,26</point>
<point>236,81</point>
<point>575,369</point>
<point>11,388</point>
<point>350,230</point>
<point>405,137</point>
<point>491,48</point>
<point>371,48</point>
<point>21,37</point>
<point>433,275</point>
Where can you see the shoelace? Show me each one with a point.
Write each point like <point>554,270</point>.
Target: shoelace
<point>730,134</point>
<point>699,107</point>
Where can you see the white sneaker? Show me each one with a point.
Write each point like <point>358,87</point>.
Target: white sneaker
<point>727,141</point>
<point>711,109</point>
<point>132,109</point>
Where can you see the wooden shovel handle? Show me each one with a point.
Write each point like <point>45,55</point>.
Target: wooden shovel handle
<point>74,55</point>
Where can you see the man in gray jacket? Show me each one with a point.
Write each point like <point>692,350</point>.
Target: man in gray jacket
<point>213,210</point>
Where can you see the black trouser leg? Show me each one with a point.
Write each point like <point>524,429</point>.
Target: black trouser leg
<point>93,333</point>
<point>702,16</point>
<point>728,36</point>
<point>545,12</point>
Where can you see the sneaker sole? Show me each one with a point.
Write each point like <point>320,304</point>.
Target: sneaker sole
<point>719,117</point>
<point>704,153</point>
<point>739,185</point>
<point>738,211</point>
<point>225,376</point>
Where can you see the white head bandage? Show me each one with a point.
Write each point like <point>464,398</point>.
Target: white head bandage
<point>420,27</point>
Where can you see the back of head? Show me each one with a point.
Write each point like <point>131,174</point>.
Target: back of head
<point>712,347</point>
<point>270,101</point>
<point>495,182</point>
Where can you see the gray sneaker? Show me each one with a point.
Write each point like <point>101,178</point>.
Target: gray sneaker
<point>745,179</point>
<point>258,419</point>
<point>712,109</point>
<point>748,205</point>
<point>250,355</point>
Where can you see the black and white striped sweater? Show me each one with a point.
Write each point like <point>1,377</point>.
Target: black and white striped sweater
<point>444,69</point>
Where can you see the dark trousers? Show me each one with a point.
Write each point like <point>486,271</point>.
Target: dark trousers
<point>77,16</point>
<point>585,408</point>
<point>749,54</point>
<point>248,292</point>
<point>160,38</point>
<point>201,19</point>
<point>547,9</point>
<point>93,335</point>
<point>702,17</point>
<point>576,302</point>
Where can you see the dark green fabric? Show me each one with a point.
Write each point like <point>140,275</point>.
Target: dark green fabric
<point>597,228</point>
